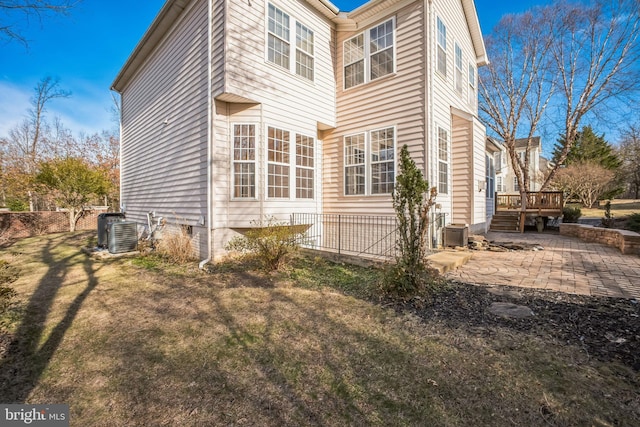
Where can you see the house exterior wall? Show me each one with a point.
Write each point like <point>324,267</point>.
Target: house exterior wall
<point>164,127</point>
<point>396,100</point>
<point>166,124</point>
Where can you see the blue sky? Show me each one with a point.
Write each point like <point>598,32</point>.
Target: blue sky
<point>86,49</point>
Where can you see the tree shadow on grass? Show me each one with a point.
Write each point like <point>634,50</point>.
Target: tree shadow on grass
<point>25,360</point>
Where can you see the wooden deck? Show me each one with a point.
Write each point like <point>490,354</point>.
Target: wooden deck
<point>538,203</point>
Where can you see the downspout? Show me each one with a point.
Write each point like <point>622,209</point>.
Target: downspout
<point>209,219</point>
<point>428,157</point>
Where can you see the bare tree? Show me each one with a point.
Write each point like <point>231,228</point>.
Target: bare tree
<point>585,181</point>
<point>13,13</point>
<point>630,155</point>
<point>595,53</point>
<point>515,88</point>
<point>29,141</point>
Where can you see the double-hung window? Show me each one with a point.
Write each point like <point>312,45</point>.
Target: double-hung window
<point>354,61</point>
<point>516,187</point>
<point>443,161</point>
<point>279,41</point>
<point>278,38</point>
<point>491,174</point>
<point>458,61</point>
<point>278,162</point>
<point>369,55</point>
<point>304,52</point>
<point>369,162</point>
<point>472,85</point>
<point>499,185</point>
<point>244,161</point>
<point>442,48</point>
<point>304,167</point>
<point>354,164</point>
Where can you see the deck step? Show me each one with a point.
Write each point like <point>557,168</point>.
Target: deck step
<point>505,221</point>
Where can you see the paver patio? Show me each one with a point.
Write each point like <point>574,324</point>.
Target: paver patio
<point>566,264</point>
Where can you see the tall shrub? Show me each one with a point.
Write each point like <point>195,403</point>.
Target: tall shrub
<point>412,201</point>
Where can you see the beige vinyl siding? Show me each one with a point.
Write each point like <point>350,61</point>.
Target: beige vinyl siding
<point>249,75</point>
<point>164,126</point>
<point>479,167</point>
<point>393,100</point>
<point>462,170</point>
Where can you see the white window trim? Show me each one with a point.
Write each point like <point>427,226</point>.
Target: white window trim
<point>292,164</point>
<point>293,48</point>
<point>368,163</point>
<point>302,167</point>
<point>447,162</point>
<point>367,55</point>
<point>255,162</point>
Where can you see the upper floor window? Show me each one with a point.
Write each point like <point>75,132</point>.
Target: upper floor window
<point>278,39</point>
<point>498,160</point>
<point>442,48</point>
<point>244,161</point>
<point>472,85</point>
<point>443,161</point>
<point>490,176</point>
<point>279,44</point>
<point>369,162</point>
<point>459,83</point>
<point>304,51</point>
<point>369,55</point>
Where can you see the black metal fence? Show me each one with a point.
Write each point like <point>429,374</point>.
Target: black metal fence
<point>358,235</point>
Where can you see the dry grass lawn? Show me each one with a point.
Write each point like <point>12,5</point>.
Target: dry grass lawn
<point>137,342</point>
<point>619,208</point>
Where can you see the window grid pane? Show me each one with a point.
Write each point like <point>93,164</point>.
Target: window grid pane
<point>382,161</point>
<point>304,65</point>
<point>244,155</point>
<point>381,47</point>
<point>382,63</point>
<point>354,171</point>
<point>354,49</point>
<point>354,74</point>
<point>278,39</point>
<point>442,48</point>
<point>278,146</point>
<point>304,167</point>
<point>443,161</point>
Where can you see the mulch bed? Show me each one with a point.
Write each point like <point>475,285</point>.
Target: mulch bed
<point>607,329</point>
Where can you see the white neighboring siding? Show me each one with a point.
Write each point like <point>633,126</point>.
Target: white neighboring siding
<point>164,165</point>
<point>218,25</point>
<point>446,97</point>
<point>394,100</point>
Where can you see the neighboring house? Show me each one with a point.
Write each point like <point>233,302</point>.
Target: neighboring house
<point>506,181</point>
<point>232,111</point>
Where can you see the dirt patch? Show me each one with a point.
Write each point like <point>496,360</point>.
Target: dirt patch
<point>607,329</point>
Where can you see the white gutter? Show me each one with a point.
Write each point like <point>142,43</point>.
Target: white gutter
<point>209,220</point>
